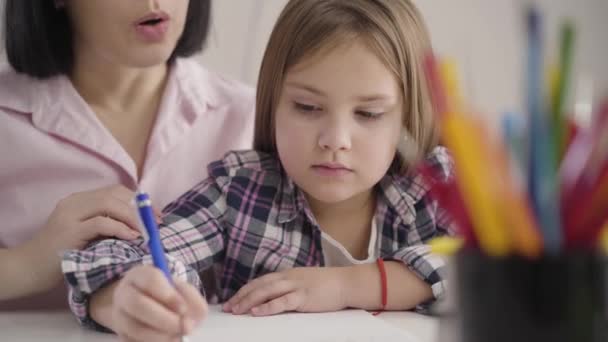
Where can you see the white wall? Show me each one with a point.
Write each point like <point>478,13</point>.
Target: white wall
<point>484,36</point>
<point>239,32</point>
<point>487,38</point>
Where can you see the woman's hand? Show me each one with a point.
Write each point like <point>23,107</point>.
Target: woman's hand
<point>305,289</point>
<point>76,221</point>
<point>146,307</point>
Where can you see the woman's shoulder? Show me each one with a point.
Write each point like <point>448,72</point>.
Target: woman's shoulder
<point>218,90</point>
<point>8,74</point>
<point>18,92</point>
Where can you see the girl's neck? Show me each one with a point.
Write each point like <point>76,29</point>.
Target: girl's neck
<point>349,222</point>
<point>117,88</point>
<point>361,206</point>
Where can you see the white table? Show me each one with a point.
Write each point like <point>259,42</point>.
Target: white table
<point>61,326</point>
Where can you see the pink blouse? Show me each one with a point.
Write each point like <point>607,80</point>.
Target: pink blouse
<point>52,144</point>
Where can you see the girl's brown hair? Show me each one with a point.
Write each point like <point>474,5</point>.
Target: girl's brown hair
<point>393,29</point>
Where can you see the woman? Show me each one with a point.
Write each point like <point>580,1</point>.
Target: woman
<point>100,100</point>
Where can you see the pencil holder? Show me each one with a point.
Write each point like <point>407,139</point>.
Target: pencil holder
<point>553,299</point>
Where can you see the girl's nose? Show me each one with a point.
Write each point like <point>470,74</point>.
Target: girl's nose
<point>335,136</point>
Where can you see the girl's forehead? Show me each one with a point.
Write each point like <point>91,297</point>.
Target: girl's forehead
<point>331,45</point>
<point>338,58</point>
<point>349,67</point>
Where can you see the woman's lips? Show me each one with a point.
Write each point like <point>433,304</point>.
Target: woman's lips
<point>152,27</point>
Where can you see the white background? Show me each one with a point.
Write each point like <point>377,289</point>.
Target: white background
<point>484,36</point>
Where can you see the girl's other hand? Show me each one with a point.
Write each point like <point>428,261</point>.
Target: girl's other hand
<point>304,289</point>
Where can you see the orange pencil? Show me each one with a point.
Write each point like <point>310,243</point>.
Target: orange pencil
<point>517,213</point>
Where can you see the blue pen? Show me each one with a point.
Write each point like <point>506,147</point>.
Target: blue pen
<point>513,127</point>
<point>542,173</point>
<point>146,214</point>
<point>148,220</point>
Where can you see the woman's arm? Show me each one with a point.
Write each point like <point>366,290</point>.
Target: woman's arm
<point>21,275</point>
<point>34,266</point>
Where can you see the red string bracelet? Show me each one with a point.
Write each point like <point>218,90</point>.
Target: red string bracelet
<point>383,282</point>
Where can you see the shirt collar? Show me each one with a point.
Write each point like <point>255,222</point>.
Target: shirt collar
<point>56,108</point>
<point>398,194</point>
<point>391,190</point>
<point>290,201</point>
<point>55,96</point>
<point>194,83</point>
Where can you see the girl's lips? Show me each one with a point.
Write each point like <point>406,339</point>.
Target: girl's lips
<point>331,170</point>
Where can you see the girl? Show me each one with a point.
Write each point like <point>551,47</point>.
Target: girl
<point>100,98</point>
<point>299,223</point>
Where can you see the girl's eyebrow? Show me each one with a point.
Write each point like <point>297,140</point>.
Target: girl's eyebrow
<point>360,98</point>
<point>374,98</point>
<point>305,87</point>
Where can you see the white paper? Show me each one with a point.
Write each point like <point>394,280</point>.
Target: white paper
<point>342,326</point>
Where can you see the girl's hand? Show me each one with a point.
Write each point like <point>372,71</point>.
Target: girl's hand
<point>146,307</point>
<point>304,289</point>
<point>76,221</point>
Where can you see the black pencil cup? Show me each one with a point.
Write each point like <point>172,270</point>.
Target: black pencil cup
<point>513,299</point>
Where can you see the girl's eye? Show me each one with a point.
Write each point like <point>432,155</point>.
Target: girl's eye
<point>306,108</point>
<point>369,115</point>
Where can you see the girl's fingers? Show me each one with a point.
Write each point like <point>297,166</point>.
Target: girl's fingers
<point>288,302</point>
<point>153,283</point>
<point>131,329</point>
<point>262,294</point>
<point>149,312</point>
<point>252,285</point>
<point>197,306</point>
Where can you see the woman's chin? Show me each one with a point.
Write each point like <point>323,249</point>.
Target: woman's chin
<point>151,56</point>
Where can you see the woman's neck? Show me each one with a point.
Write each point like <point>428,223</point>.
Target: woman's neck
<point>116,88</point>
<point>125,100</point>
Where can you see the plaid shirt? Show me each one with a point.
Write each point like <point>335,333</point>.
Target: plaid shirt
<point>248,219</point>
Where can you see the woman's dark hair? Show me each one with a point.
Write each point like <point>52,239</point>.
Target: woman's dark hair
<point>38,36</point>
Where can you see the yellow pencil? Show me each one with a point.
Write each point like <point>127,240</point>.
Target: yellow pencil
<point>604,239</point>
<point>462,136</point>
<point>475,183</point>
<point>449,76</point>
<point>446,245</point>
